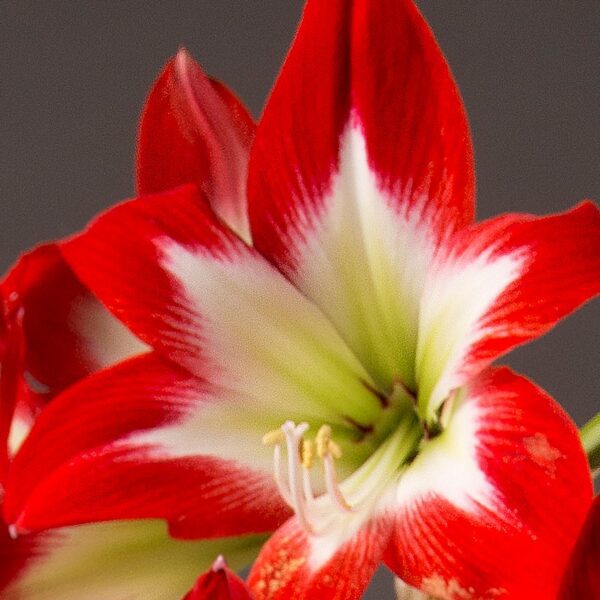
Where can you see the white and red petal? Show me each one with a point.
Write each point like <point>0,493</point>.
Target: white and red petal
<point>143,440</point>
<point>193,290</point>
<point>128,560</point>
<point>498,284</point>
<point>194,130</point>
<point>293,566</point>
<point>361,165</point>
<point>492,507</point>
<point>582,576</point>
<point>219,583</point>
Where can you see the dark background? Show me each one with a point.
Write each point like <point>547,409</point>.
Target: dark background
<point>73,76</point>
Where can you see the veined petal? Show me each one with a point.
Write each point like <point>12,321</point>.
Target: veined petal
<point>492,507</point>
<point>194,130</point>
<point>127,560</point>
<point>219,583</point>
<point>144,440</point>
<point>361,165</point>
<point>582,577</point>
<point>498,284</point>
<point>291,565</point>
<point>192,289</point>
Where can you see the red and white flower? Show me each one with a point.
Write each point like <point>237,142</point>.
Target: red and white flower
<point>349,323</point>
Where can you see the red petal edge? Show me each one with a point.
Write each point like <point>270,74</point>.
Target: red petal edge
<point>582,577</point>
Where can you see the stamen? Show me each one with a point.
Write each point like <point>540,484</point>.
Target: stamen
<point>307,454</point>
<point>293,436</point>
<point>332,486</point>
<point>271,438</point>
<point>282,486</point>
<point>295,486</point>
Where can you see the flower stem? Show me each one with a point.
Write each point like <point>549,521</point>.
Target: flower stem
<point>590,436</point>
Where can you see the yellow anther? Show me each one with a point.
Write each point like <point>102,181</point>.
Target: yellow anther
<point>307,453</point>
<point>325,445</point>
<point>273,437</point>
<point>334,449</point>
<point>322,440</point>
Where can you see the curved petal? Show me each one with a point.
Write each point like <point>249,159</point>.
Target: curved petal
<point>128,560</point>
<point>144,440</point>
<point>481,512</point>
<point>188,286</point>
<point>292,566</point>
<point>582,577</point>
<point>498,284</point>
<point>361,166</point>
<point>194,130</point>
<point>56,332</point>
<point>219,583</point>
<point>67,332</point>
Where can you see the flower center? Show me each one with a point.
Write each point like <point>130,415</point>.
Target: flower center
<point>338,502</point>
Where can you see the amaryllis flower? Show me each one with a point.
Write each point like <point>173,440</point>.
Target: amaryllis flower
<point>55,333</point>
<point>350,328</point>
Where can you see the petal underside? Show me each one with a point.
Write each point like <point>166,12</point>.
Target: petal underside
<point>194,130</point>
<point>121,560</point>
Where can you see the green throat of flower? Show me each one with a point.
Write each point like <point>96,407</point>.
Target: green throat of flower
<point>342,474</point>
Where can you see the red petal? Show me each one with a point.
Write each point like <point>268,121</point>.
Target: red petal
<point>194,130</point>
<point>290,566</point>
<point>376,64</point>
<point>551,266</point>
<point>492,507</point>
<point>57,333</point>
<point>582,577</point>
<point>219,583</point>
<point>86,459</point>
<point>13,389</point>
<point>61,321</point>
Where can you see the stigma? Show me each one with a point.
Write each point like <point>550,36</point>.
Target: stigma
<point>295,483</point>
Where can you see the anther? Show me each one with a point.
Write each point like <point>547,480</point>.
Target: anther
<point>325,445</point>
<point>307,454</point>
<point>322,440</point>
<point>273,437</point>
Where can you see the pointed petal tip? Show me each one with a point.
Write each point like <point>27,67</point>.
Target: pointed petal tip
<point>220,564</point>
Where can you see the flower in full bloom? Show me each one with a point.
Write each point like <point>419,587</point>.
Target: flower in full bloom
<point>321,339</point>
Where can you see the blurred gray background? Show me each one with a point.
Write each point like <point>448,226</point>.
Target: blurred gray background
<point>73,76</point>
